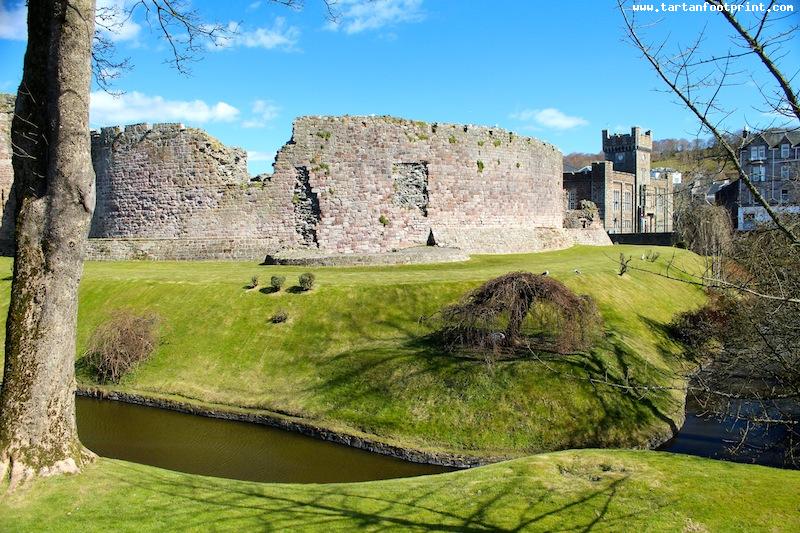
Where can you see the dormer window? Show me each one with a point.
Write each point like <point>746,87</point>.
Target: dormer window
<point>758,152</point>
<point>785,148</point>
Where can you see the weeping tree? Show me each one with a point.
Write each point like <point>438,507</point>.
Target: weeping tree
<point>493,317</point>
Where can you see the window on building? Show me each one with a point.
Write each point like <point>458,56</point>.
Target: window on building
<point>626,225</point>
<point>659,198</point>
<point>784,195</point>
<point>616,201</point>
<point>758,152</point>
<point>626,202</point>
<point>757,173</point>
<point>620,157</point>
<point>785,172</point>
<point>785,151</point>
<point>572,199</point>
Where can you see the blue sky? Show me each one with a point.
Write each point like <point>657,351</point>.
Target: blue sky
<point>559,71</point>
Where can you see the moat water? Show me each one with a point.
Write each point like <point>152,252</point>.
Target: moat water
<point>239,450</point>
<point>715,438</point>
<point>223,448</point>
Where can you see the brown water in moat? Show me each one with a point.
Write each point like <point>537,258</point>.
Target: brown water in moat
<point>224,448</point>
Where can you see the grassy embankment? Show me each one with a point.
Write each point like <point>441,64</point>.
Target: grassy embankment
<point>566,491</point>
<point>349,358</point>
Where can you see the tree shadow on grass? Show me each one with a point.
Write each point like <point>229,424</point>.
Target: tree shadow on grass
<point>297,289</point>
<point>627,399</point>
<point>514,501</point>
<point>268,290</point>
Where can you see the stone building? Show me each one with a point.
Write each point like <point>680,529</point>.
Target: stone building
<point>348,185</point>
<point>6,171</point>
<point>772,161</point>
<point>630,199</point>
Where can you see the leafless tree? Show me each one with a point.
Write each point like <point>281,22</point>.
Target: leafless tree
<point>750,349</point>
<point>698,75</point>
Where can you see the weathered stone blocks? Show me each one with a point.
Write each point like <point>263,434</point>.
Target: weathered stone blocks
<point>341,185</point>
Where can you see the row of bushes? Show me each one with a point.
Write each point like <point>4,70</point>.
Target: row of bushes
<point>306,282</point>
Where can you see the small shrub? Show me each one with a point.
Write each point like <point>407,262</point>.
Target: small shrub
<point>307,281</point>
<point>254,282</point>
<point>453,139</point>
<point>480,166</point>
<point>623,263</point>
<point>324,135</point>
<point>276,282</point>
<point>652,256</point>
<point>383,220</point>
<point>279,317</point>
<point>496,143</point>
<point>118,345</point>
<point>480,143</point>
<point>701,329</point>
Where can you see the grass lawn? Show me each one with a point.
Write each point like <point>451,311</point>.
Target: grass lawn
<point>349,358</point>
<point>607,490</point>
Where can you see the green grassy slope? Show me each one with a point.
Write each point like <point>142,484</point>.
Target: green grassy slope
<point>349,358</point>
<point>565,491</point>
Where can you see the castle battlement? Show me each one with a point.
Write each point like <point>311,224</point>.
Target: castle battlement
<point>636,139</point>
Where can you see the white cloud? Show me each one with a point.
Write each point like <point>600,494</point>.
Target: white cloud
<point>255,155</point>
<point>356,16</point>
<point>280,35</point>
<point>115,20</point>
<point>549,118</point>
<point>263,112</point>
<point>133,107</point>
<point>13,21</point>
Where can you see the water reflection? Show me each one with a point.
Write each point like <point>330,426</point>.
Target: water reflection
<point>223,448</point>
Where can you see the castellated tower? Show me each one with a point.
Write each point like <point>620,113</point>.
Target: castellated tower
<point>631,153</point>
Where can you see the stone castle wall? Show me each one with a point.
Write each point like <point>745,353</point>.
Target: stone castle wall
<point>341,185</point>
<point>171,182</point>
<point>6,171</point>
<point>381,183</point>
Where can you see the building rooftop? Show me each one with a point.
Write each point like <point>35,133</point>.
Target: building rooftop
<point>775,136</point>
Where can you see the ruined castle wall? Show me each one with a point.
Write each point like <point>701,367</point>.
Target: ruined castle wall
<point>171,182</point>
<point>341,185</point>
<point>383,183</point>
<point>6,173</point>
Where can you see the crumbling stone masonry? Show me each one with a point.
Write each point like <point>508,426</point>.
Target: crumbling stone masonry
<point>6,172</point>
<point>352,185</point>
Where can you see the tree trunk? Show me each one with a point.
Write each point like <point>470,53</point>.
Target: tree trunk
<point>54,183</point>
